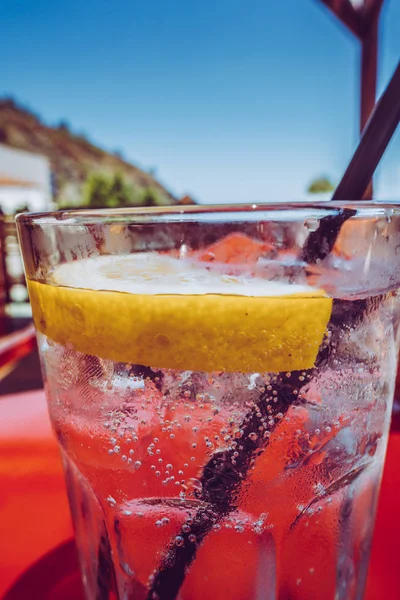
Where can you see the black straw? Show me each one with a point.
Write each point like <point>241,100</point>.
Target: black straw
<point>375,138</point>
<point>221,481</point>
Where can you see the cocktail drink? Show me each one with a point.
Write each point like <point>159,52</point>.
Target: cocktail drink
<point>222,405</point>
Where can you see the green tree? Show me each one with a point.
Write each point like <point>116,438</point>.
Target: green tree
<point>151,196</point>
<point>320,185</point>
<point>121,193</point>
<point>108,191</point>
<point>96,191</point>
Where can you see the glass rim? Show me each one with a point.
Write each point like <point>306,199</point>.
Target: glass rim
<point>206,212</point>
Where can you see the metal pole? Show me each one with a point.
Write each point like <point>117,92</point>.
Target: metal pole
<point>364,24</point>
<point>369,65</point>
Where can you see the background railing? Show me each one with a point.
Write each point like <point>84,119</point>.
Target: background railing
<point>13,290</point>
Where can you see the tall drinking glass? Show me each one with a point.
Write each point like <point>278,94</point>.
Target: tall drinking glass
<point>221,400</point>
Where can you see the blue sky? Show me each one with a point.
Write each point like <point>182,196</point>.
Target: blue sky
<point>229,100</point>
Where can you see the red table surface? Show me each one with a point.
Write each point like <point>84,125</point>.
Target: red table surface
<point>34,515</point>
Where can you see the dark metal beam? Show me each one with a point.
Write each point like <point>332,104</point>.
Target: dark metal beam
<point>369,60</point>
<point>368,15</point>
<point>348,15</point>
<point>363,22</point>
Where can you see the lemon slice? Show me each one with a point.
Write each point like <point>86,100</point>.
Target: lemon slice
<point>166,313</point>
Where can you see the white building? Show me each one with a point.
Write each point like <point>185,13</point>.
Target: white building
<point>25,180</point>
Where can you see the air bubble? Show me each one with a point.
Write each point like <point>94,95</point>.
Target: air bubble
<point>179,541</point>
<point>192,538</point>
<point>185,528</point>
<point>311,224</point>
<point>253,436</point>
<point>196,483</point>
<point>137,464</point>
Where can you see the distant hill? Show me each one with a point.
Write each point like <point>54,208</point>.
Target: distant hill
<point>72,156</point>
